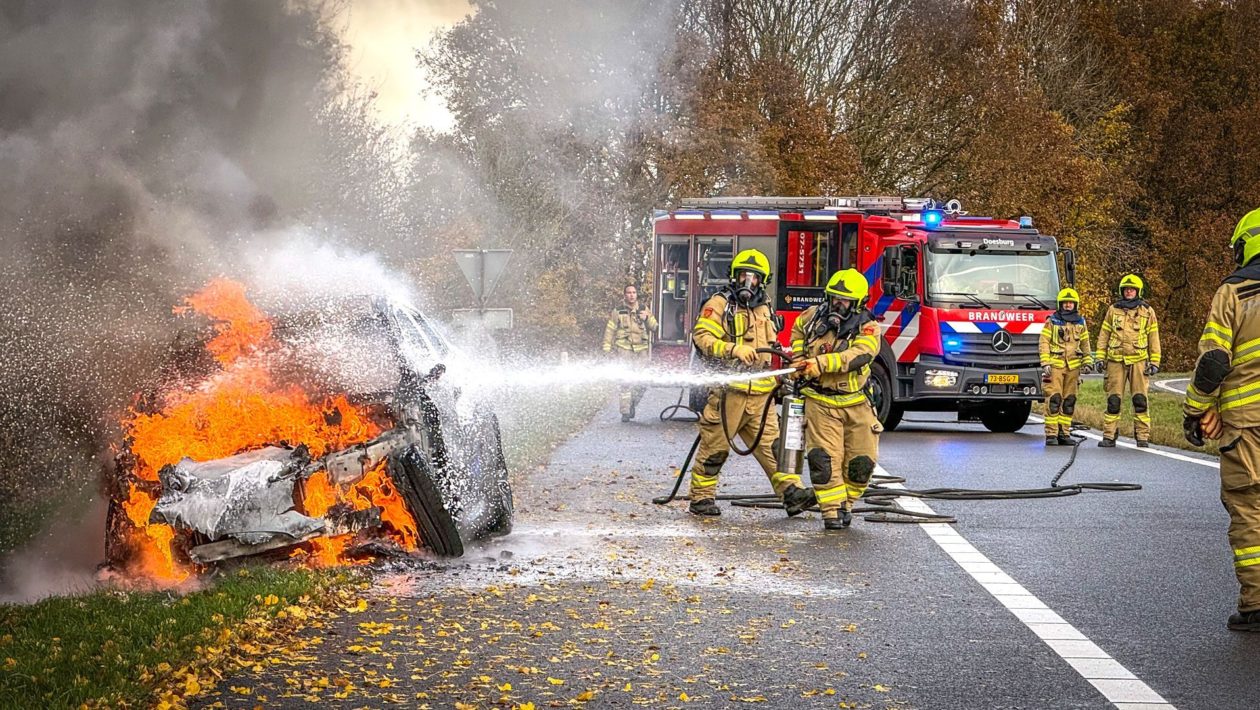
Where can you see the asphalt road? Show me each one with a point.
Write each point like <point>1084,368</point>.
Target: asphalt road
<point>601,598</point>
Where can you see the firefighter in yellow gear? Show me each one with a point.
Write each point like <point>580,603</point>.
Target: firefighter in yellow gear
<point>834,344</point>
<point>627,336</point>
<point>1129,345</point>
<point>1065,353</point>
<point>1223,402</point>
<point>733,324</point>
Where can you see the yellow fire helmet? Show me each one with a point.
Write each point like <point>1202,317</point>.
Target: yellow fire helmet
<point>751,260</point>
<point>1246,240</point>
<point>1068,294</point>
<point>849,283</point>
<point>1131,281</point>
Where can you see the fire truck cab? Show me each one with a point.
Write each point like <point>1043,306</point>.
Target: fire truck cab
<point>961,300</point>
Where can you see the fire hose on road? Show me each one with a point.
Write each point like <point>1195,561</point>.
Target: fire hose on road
<point>881,499</point>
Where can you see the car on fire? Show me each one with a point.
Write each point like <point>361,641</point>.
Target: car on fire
<point>439,445</point>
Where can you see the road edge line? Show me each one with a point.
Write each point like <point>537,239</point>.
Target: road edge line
<point>1107,675</point>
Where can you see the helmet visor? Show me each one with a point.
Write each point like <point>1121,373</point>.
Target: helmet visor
<point>841,305</point>
<point>747,279</point>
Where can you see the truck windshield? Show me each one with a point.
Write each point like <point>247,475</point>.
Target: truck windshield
<point>1007,278</point>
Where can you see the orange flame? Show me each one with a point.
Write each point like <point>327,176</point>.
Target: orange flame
<point>240,408</point>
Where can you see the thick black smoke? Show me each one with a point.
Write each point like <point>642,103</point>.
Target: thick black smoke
<point>146,146</point>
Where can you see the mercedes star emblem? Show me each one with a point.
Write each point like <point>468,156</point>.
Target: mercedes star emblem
<point>1001,341</point>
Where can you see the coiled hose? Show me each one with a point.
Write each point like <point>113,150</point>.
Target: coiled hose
<point>881,505</point>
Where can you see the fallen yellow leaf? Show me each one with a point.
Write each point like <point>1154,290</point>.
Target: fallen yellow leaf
<point>584,696</point>
<point>683,697</point>
<point>554,681</point>
<point>881,688</point>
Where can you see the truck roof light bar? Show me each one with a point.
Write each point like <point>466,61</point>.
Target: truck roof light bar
<point>873,203</point>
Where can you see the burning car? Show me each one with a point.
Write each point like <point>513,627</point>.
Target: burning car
<point>330,433</point>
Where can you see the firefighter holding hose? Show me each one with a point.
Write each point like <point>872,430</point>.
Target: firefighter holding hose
<point>1064,351</point>
<point>627,335</point>
<point>834,344</point>
<point>733,324</point>
<point>1223,402</point>
<point>1129,345</point>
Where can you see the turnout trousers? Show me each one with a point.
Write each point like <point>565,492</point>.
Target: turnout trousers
<point>841,446</point>
<point>631,394</point>
<point>1240,493</point>
<point>1118,375</point>
<point>1060,394</point>
<point>743,416</point>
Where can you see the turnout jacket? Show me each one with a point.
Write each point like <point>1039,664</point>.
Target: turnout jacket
<point>844,358</point>
<point>626,331</point>
<point>1064,343</point>
<point>1227,372</point>
<point>1130,334</point>
<point>722,324</point>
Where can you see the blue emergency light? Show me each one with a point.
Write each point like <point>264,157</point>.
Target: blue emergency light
<point>953,343</point>
<point>933,218</point>
<point>1025,221</point>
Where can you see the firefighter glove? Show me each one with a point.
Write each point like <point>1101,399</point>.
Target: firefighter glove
<point>808,368</point>
<point>1100,367</point>
<point>1045,373</point>
<point>744,353</point>
<point>1193,429</point>
<point>1151,368</point>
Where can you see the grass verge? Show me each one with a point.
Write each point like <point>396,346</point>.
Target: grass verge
<point>1165,411</point>
<point>534,426</point>
<point>114,648</point>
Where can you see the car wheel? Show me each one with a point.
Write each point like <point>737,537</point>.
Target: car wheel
<point>413,476</point>
<point>505,506</point>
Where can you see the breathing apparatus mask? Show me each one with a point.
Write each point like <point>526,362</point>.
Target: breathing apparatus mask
<point>834,312</point>
<point>748,288</point>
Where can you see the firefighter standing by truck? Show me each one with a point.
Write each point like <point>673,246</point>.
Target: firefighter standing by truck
<point>1064,350</point>
<point>628,335</point>
<point>1223,402</point>
<point>733,324</point>
<point>1129,345</point>
<point>834,344</point>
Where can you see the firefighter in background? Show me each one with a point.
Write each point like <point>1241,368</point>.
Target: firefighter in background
<point>1129,345</point>
<point>834,344</point>
<point>1223,402</point>
<point>627,335</point>
<point>733,324</point>
<point>1065,352</point>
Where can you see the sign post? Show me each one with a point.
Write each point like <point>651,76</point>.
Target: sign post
<point>483,269</point>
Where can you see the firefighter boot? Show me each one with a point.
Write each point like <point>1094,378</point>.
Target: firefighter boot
<point>1107,443</point>
<point>1064,440</point>
<point>844,520</point>
<point>1052,441</point>
<point>704,506</point>
<point>1143,444</point>
<point>797,499</point>
<point>1244,621</point>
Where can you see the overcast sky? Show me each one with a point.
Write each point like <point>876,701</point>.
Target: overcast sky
<point>383,36</point>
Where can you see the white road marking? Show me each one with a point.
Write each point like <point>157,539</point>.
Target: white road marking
<point>1167,385</point>
<point>1116,683</point>
<point>1034,419</point>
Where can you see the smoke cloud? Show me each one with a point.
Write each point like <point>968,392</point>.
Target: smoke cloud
<point>146,147</point>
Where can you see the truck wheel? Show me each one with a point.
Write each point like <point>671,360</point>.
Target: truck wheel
<point>697,398</point>
<point>882,397</point>
<point>1005,417</point>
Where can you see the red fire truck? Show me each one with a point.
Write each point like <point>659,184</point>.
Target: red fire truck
<point>960,299</point>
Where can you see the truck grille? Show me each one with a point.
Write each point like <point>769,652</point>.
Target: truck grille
<point>977,350</point>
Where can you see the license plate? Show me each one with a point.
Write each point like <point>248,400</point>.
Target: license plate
<point>1002,379</point>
